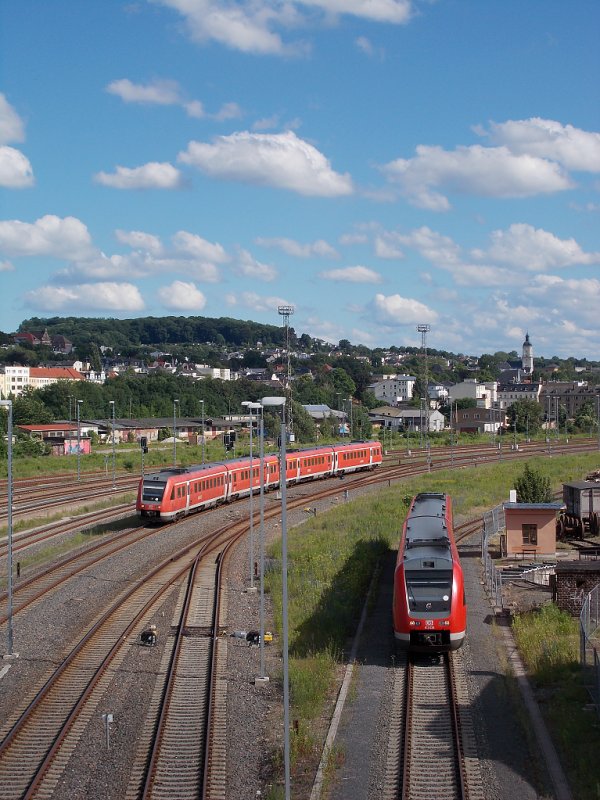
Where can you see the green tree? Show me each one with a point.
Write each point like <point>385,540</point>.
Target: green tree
<point>533,487</point>
<point>528,415</point>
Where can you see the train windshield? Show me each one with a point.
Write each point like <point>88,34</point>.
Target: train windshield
<point>429,590</point>
<point>153,492</point>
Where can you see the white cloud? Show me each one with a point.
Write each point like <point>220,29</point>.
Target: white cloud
<point>86,297</point>
<point>249,267</point>
<point>140,241</point>
<point>199,248</point>
<point>386,248</point>
<point>12,128</point>
<point>240,26</point>
<point>168,93</point>
<point>50,236</point>
<point>159,92</point>
<point>256,302</point>
<point>153,175</point>
<point>488,172</point>
<point>318,248</point>
<point>525,247</point>
<point>352,275</point>
<point>280,160</point>
<point>396,310</point>
<point>16,171</point>
<point>252,26</point>
<point>573,148</point>
<point>396,12</point>
<point>182,296</point>
<point>6,266</point>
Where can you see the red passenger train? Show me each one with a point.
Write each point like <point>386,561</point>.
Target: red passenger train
<point>175,492</point>
<point>429,607</point>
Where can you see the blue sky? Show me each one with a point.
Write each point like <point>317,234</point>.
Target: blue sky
<point>377,164</point>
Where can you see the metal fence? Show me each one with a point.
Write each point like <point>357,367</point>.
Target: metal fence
<point>493,523</point>
<point>589,644</point>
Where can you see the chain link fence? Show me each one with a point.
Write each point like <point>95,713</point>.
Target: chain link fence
<point>589,644</point>
<point>493,523</point>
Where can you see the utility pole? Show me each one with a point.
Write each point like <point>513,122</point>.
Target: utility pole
<point>424,329</point>
<point>285,312</point>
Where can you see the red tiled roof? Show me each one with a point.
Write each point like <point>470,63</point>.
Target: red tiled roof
<point>59,373</point>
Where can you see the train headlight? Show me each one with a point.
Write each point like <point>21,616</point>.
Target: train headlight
<point>445,623</point>
<point>415,623</point>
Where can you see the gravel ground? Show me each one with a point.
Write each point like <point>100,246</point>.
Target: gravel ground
<point>96,771</point>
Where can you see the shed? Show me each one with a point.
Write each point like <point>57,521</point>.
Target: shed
<point>530,529</point>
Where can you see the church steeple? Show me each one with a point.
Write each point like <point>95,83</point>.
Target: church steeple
<point>527,357</point>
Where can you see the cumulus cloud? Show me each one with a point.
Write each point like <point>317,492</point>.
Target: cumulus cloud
<point>352,275</point>
<point>256,302</point>
<point>256,26</point>
<point>140,241</point>
<point>525,247</point>
<point>158,92</point>
<point>280,160</point>
<point>319,248</point>
<point>153,175</point>
<point>86,297</point>
<point>16,171</point>
<point>168,93</point>
<point>6,266</point>
<point>245,26</point>
<point>488,172</point>
<point>12,128</point>
<point>50,236</point>
<point>396,12</point>
<point>182,296</point>
<point>193,245</point>
<point>395,310</point>
<point>572,147</point>
<point>249,267</point>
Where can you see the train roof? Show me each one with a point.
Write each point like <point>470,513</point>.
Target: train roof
<point>426,532</point>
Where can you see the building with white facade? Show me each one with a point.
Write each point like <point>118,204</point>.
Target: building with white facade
<point>15,379</point>
<point>394,389</point>
<point>484,393</point>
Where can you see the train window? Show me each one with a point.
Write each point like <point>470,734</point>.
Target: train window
<point>429,590</point>
<point>153,493</point>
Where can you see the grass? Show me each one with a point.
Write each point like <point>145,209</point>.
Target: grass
<point>548,641</point>
<point>331,560</point>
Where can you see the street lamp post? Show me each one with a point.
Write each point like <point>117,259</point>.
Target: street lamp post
<point>78,402</point>
<point>203,451</point>
<point>262,678</point>
<point>9,631</point>
<point>349,401</point>
<point>249,405</point>
<point>175,402</point>
<point>280,401</point>
<point>114,462</point>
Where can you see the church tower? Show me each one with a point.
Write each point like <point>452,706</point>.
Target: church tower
<point>527,357</point>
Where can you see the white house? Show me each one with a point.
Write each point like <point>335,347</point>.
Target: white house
<point>394,389</point>
<point>484,393</point>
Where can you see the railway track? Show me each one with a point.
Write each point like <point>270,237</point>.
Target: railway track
<point>37,744</point>
<point>431,746</point>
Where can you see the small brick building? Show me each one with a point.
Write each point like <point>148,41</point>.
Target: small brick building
<point>574,581</point>
<point>530,529</point>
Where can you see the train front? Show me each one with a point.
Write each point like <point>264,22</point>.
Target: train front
<point>429,610</point>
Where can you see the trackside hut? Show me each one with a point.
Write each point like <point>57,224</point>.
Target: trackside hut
<point>530,530</point>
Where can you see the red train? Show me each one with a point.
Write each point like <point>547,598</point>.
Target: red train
<point>175,492</point>
<point>429,607</point>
